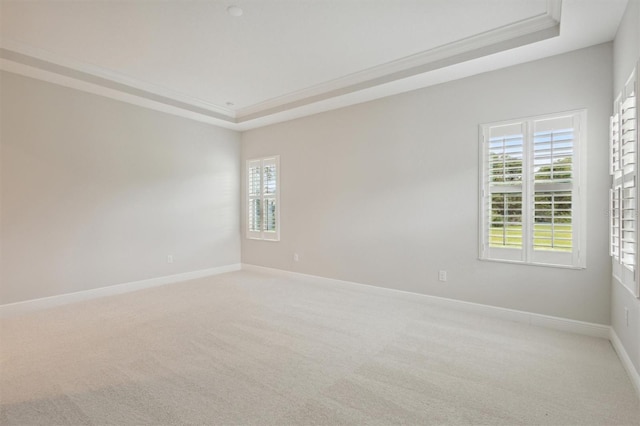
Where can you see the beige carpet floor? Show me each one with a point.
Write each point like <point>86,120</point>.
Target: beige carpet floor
<point>252,349</point>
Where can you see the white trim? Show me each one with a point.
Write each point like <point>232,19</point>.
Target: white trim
<point>539,320</point>
<point>17,308</point>
<point>634,376</point>
<point>30,52</point>
<point>73,83</point>
<point>623,271</point>
<point>522,262</point>
<point>540,27</point>
<point>262,235</point>
<point>536,28</point>
<point>526,255</point>
<point>618,280</point>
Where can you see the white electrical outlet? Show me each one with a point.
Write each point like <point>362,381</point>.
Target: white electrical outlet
<point>296,257</point>
<point>442,275</point>
<point>170,258</point>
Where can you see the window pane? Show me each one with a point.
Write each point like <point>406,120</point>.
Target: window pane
<point>553,155</point>
<point>505,229</point>
<point>553,224</point>
<point>270,179</point>
<point>270,215</point>
<point>254,181</point>
<point>505,159</point>
<point>255,215</point>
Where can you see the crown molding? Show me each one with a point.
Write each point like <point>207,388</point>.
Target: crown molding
<point>28,56</point>
<point>536,28</point>
<point>61,80</point>
<point>37,63</point>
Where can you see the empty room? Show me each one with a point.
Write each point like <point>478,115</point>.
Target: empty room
<point>319,212</point>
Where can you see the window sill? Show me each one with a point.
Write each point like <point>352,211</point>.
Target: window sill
<point>547,265</point>
<point>263,239</point>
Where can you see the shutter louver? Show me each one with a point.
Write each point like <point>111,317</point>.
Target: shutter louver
<point>614,145</point>
<point>531,201</point>
<point>623,232</point>
<point>628,143</point>
<point>627,139</point>
<point>270,192</point>
<point>503,183</point>
<point>553,229</point>
<point>614,234</point>
<point>262,199</point>
<point>505,186</point>
<point>254,203</point>
<point>553,148</point>
<point>628,226</point>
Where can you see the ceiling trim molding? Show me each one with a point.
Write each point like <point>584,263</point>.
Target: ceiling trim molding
<point>61,80</point>
<point>36,63</point>
<point>47,61</point>
<point>530,30</point>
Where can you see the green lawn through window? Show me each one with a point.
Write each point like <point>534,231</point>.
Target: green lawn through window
<point>558,238</point>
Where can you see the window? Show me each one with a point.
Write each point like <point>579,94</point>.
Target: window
<point>263,198</point>
<point>530,205</point>
<point>623,140</point>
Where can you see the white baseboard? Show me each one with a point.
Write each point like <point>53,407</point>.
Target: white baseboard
<point>634,375</point>
<point>63,299</point>
<point>547,321</point>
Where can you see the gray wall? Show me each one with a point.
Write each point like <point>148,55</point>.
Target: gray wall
<point>626,53</point>
<point>386,193</point>
<point>96,192</point>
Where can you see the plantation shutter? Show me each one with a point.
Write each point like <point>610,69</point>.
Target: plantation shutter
<point>270,198</point>
<point>530,202</point>
<point>614,225</point>
<point>554,205</point>
<point>627,184</point>
<point>503,192</point>
<point>254,205</point>
<point>614,143</point>
<point>263,199</point>
<point>623,204</point>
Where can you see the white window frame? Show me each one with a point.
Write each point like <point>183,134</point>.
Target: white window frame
<point>624,195</point>
<point>262,234</point>
<point>576,259</point>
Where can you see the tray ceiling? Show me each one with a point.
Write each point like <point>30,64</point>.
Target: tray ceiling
<point>284,58</point>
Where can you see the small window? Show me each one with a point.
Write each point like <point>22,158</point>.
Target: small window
<point>530,210</point>
<point>263,198</point>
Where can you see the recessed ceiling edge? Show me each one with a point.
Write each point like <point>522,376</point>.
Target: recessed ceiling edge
<point>36,63</point>
<point>531,30</point>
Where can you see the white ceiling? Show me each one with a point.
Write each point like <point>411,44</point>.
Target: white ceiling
<point>284,58</point>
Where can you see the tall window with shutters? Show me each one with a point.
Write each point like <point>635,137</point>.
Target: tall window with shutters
<point>263,198</point>
<point>623,218</point>
<point>531,210</point>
